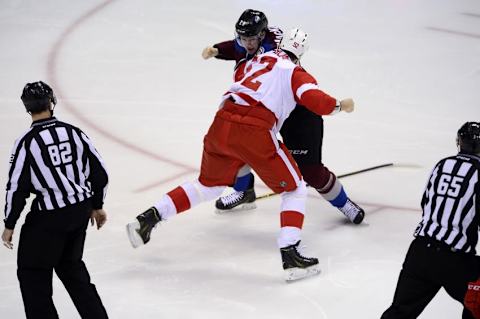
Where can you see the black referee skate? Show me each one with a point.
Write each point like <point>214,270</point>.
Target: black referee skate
<point>297,266</point>
<point>139,231</point>
<point>353,212</point>
<point>238,200</point>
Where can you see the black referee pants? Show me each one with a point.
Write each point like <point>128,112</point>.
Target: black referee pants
<point>54,241</point>
<point>429,266</point>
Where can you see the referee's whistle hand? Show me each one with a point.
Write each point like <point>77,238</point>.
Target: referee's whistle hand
<point>7,238</point>
<point>98,216</point>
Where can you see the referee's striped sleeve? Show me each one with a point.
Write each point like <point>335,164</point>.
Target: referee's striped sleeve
<point>18,185</point>
<point>98,175</point>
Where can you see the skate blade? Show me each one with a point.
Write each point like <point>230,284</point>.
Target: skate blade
<point>293,274</point>
<point>243,207</point>
<point>133,236</point>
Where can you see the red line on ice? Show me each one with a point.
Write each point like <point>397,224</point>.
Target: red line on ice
<point>53,79</point>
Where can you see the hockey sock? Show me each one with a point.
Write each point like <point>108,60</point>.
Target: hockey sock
<point>186,196</point>
<point>243,182</point>
<point>180,199</point>
<point>288,236</point>
<point>340,199</point>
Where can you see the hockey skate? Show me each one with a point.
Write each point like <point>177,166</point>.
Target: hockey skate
<point>238,200</point>
<point>139,231</point>
<point>353,212</point>
<point>297,266</point>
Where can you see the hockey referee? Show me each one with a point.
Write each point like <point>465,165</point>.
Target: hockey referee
<point>59,164</point>
<point>443,251</point>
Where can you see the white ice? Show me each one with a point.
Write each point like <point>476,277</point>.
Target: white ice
<point>130,74</point>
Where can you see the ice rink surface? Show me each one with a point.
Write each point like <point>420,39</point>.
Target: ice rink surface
<point>130,74</point>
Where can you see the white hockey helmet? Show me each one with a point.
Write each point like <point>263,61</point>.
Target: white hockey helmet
<point>296,42</point>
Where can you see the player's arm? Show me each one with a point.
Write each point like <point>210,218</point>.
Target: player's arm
<point>223,51</point>
<point>307,93</point>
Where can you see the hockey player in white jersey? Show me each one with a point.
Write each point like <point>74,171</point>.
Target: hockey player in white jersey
<point>244,132</point>
<point>302,132</point>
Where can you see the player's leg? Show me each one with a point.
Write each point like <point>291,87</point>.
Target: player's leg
<point>330,188</point>
<point>302,133</point>
<point>272,162</point>
<point>172,203</point>
<point>217,170</point>
<point>295,264</point>
<point>243,196</point>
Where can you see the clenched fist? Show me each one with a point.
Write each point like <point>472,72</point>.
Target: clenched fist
<point>209,52</point>
<point>347,105</point>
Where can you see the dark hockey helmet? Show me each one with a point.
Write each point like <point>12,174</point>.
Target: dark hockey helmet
<point>251,23</point>
<point>37,97</point>
<point>468,138</point>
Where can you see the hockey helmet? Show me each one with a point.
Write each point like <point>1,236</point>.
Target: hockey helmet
<point>37,97</point>
<point>468,138</point>
<point>251,23</point>
<point>295,42</point>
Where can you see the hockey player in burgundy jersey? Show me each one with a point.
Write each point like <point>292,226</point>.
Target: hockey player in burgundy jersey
<point>252,110</point>
<point>302,132</point>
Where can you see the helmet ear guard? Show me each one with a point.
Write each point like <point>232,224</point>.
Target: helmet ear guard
<point>296,42</point>
<point>468,138</point>
<point>38,97</point>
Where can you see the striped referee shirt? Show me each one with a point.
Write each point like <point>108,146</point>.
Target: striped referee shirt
<point>450,203</point>
<point>59,164</point>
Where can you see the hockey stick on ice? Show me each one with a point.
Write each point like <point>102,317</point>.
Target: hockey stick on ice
<point>339,176</point>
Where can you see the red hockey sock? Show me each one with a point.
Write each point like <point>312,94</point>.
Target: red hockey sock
<point>180,199</point>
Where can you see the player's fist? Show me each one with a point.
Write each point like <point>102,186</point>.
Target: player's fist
<point>209,52</point>
<point>347,105</point>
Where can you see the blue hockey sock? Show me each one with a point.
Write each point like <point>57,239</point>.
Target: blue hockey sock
<point>340,200</point>
<point>243,182</point>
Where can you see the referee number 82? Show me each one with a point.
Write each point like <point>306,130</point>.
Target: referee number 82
<point>60,154</point>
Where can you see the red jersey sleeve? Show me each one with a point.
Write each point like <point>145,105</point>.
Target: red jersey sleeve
<point>307,93</point>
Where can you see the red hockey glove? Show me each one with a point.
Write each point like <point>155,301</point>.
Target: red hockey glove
<point>472,298</point>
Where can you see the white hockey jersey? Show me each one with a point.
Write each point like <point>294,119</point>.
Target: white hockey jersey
<point>272,80</point>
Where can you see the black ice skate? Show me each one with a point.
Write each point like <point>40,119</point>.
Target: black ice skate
<point>297,266</point>
<point>139,231</point>
<point>353,212</point>
<point>238,200</point>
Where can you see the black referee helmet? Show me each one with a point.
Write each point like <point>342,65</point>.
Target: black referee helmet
<point>37,97</point>
<point>468,138</point>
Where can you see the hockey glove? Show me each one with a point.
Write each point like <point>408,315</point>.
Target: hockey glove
<point>472,298</point>
<point>347,105</point>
